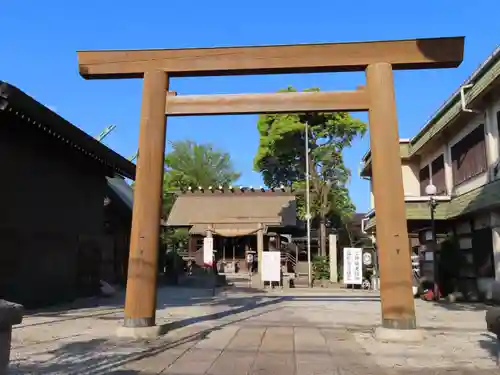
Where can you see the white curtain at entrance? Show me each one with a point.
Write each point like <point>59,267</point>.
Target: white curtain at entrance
<point>227,230</point>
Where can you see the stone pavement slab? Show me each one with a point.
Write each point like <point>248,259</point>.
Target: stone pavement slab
<point>231,362</point>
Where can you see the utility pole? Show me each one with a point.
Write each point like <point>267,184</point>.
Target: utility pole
<point>308,209</point>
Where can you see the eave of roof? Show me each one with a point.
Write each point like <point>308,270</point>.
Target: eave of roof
<point>483,198</point>
<point>21,104</point>
<point>490,65</point>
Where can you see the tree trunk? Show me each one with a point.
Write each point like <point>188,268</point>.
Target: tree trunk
<point>322,236</point>
<point>348,235</point>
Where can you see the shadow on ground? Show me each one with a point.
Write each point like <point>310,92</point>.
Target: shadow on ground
<point>100,356</point>
<point>109,306</point>
<point>461,306</point>
<point>491,344</point>
<point>117,301</point>
<point>170,297</point>
<point>97,356</point>
<point>107,356</point>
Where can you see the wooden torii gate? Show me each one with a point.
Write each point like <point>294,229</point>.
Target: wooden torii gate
<point>377,59</point>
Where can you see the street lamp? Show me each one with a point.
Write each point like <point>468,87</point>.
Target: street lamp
<point>431,191</point>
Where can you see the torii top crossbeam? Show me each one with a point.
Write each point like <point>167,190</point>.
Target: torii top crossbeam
<point>302,58</point>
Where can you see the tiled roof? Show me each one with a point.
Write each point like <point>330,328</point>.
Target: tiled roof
<point>205,209</point>
<point>38,117</point>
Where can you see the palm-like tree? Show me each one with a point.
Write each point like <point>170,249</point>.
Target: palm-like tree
<point>192,164</point>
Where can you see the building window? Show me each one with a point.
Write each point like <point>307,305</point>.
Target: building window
<point>438,176</point>
<point>424,178</point>
<point>468,156</point>
<point>498,132</point>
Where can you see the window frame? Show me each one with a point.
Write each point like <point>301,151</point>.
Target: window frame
<point>441,185</point>
<point>424,178</point>
<point>474,141</point>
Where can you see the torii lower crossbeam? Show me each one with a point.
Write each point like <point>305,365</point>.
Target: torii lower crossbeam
<point>287,102</point>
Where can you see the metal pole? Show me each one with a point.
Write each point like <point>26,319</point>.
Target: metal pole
<point>432,204</point>
<point>375,269</point>
<point>308,209</point>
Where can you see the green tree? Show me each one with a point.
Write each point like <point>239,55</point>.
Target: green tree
<point>281,159</point>
<point>192,164</point>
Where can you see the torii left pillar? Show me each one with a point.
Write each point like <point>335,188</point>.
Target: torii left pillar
<point>140,301</point>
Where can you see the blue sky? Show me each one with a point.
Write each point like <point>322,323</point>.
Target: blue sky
<point>40,40</point>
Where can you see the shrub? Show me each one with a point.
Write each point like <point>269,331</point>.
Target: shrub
<point>321,268</point>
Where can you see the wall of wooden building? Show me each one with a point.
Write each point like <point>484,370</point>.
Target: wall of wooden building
<point>116,242</point>
<point>51,198</point>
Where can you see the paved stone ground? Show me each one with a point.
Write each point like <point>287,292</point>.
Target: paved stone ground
<point>239,331</point>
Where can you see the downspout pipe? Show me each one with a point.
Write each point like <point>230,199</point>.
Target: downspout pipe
<point>463,101</point>
<point>363,221</point>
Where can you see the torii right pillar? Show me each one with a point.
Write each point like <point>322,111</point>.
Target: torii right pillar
<point>396,295</point>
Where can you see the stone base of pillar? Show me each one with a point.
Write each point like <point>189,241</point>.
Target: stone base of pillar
<point>143,332</point>
<point>399,335</point>
<point>10,314</point>
<point>5,340</point>
<point>257,282</point>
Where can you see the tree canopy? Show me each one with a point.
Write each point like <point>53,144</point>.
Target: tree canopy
<point>192,164</point>
<point>281,158</point>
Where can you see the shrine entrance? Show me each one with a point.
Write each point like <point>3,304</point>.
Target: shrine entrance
<point>377,59</point>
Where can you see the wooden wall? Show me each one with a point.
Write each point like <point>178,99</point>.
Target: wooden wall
<point>50,197</point>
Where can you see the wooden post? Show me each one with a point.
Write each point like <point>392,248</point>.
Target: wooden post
<point>332,247</point>
<point>191,246</point>
<point>398,309</point>
<point>296,260</point>
<point>260,248</point>
<point>246,251</point>
<point>140,302</point>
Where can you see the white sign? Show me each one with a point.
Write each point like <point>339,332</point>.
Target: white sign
<point>353,265</point>
<point>208,251</point>
<point>271,266</point>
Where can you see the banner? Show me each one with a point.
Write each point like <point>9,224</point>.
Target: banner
<point>208,251</point>
<point>353,265</point>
